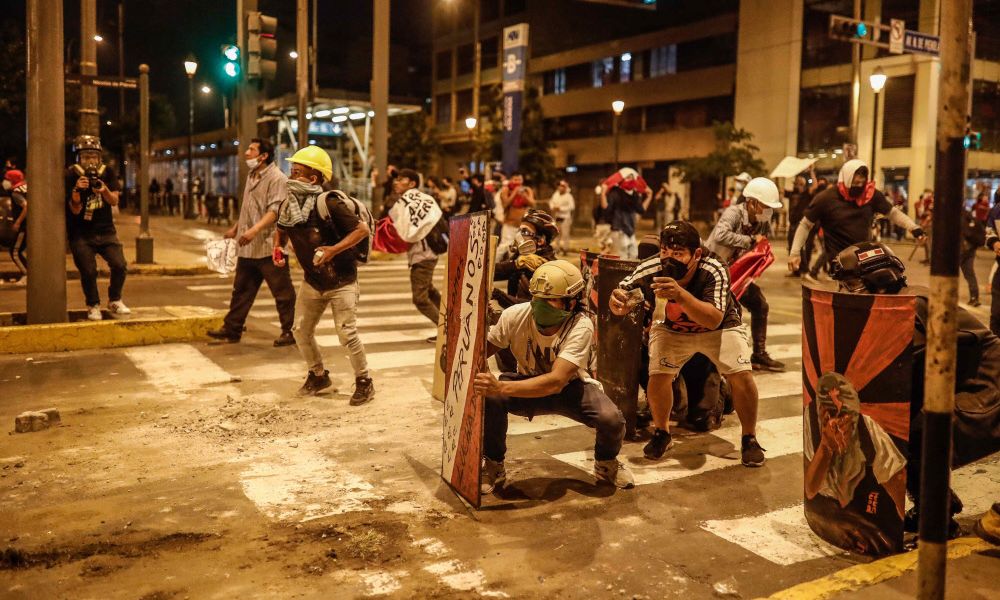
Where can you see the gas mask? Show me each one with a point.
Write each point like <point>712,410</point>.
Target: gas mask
<point>525,245</point>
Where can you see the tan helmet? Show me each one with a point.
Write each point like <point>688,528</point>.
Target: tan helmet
<point>556,279</point>
<point>86,142</point>
<point>314,157</point>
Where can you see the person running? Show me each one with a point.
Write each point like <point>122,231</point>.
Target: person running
<point>625,195</point>
<point>845,212</point>
<point>325,249</point>
<point>18,187</point>
<point>92,190</point>
<point>700,316</point>
<point>420,256</point>
<point>563,206</point>
<point>552,339</point>
<point>263,194</point>
<point>741,227</point>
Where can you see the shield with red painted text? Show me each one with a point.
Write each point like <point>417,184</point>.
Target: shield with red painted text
<point>857,366</point>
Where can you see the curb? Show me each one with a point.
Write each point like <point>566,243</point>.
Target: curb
<point>134,269</point>
<point>156,326</point>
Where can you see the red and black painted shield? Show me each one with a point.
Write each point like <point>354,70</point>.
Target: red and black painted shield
<point>857,365</point>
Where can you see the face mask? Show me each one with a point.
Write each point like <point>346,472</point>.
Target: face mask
<point>855,191</point>
<point>525,245</point>
<point>546,315</point>
<point>673,268</point>
<point>253,162</point>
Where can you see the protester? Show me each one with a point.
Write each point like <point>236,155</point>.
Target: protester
<point>479,198</point>
<point>973,238</point>
<point>91,187</point>
<point>700,315</point>
<point>14,183</point>
<point>993,243</point>
<point>563,206</point>
<point>388,185</point>
<point>741,227</point>
<point>173,203</point>
<point>799,198</point>
<point>925,216</point>
<point>625,195</point>
<point>552,339</point>
<point>845,212</point>
<point>515,198</point>
<point>263,194</point>
<point>531,249</point>
<point>421,257</point>
<point>447,197</point>
<point>668,206</point>
<point>982,206</point>
<point>326,251</point>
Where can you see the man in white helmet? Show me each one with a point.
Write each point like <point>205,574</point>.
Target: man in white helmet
<point>845,212</point>
<point>551,338</point>
<point>739,229</point>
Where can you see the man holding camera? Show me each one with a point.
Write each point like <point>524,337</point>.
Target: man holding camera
<point>92,190</point>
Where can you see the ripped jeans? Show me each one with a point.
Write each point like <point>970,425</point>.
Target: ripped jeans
<point>309,307</point>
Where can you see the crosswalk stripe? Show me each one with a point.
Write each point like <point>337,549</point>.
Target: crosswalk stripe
<point>176,366</point>
<point>383,337</point>
<point>778,385</point>
<point>210,287</point>
<point>783,536</point>
<point>402,321</point>
<point>781,436</point>
<point>776,330</point>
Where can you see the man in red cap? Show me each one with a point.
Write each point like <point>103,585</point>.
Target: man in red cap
<point>13,181</point>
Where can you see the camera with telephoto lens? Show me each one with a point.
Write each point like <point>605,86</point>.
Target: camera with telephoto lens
<point>91,174</point>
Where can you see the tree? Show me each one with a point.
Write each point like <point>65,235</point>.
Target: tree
<point>733,154</point>
<point>534,158</point>
<point>412,144</point>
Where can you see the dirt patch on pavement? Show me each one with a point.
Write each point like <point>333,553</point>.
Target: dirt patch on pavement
<point>16,558</point>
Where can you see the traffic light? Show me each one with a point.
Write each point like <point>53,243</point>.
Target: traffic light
<point>231,62</point>
<point>262,47</point>
<point>973,140</point>
<point>843,28</point>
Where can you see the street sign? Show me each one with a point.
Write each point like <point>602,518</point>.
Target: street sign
<point>126,83</point>
<point>897,29</point>
<point>915,42</point>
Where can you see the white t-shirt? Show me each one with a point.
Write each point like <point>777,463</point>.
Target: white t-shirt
<point>536,353</point>
<point>562,205</point>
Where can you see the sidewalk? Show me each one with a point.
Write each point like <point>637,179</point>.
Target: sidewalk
<point>178,246</point>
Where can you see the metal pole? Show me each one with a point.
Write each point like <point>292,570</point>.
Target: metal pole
<point>189,203</point>
<point>225,109</point>
<point>89,117</point>
<point>302,70</point>
<point>380,90</point>
<point>477,68</point>
<point>144,243</point>
<point>121,59</point>
<point>615,125</point>
<point>45,97</point>
<point>314,51</point>
<point>855,82</point>
<point>939,382</point>
<point>874,138</point>
<point>247,94</point>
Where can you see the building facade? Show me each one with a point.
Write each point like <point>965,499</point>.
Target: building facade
<point>769,67</point>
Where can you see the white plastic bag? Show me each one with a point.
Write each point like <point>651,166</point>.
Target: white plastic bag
<point>221,255</point>
<point>414,215</point>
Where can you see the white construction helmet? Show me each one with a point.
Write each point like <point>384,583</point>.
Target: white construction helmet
<point>743,177</point>
<point>764,191</point>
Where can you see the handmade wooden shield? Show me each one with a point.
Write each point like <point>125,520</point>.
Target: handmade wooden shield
<point>619,341</point>
<point>468,290</point>
<point>857,364</point>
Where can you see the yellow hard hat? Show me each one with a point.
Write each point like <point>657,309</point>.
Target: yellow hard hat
<point>314,157</point>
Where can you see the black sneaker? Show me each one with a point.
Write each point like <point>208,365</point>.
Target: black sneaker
<point>285,339</point>
<point>660,443</point>
<point>974,302</point>
<point>764,362</point>
<point>753,454</point>
<point>315,383</point>
<point>364,391</point>
<point>226,335</point>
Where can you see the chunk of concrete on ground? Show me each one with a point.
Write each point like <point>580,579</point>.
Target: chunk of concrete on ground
<point>30,421</point>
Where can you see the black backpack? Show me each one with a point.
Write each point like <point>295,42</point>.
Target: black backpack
<point>437,239</point>
<point>362,248</point>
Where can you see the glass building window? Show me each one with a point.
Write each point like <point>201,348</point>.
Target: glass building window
<point>489,53</point>
<point>824,117</point>
<point>663,61</point>
<point>442,62</point>
<point>466,59</point>
<point>897,118</point>
<point>625,68</point>
<point>603,72</point>
<point>463,105</point>
<point>442,109</point>
<point>555,82</point>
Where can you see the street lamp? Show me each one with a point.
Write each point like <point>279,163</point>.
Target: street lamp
<point>293,54</point>
<point>617,106</point>
<point>877,81</point>
<point>98,38</point>
<point>190,67</point>
<point>206,90</point>
<point>470,123</point>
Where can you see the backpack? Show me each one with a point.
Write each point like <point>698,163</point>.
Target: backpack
<point>362,248</point>
<point>437,239</point>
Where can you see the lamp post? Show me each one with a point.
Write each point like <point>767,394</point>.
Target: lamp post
<point>470,124</point>
<point>617,106</point>
<point>190,67</point>
<point>877,81</point>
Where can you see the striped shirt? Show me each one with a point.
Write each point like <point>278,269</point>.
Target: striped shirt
<point>264,192</point>
<point>710,283</point>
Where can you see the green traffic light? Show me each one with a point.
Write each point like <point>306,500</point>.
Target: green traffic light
<point>231,52</point>
<point>861,30</point>
<point>232,69</point>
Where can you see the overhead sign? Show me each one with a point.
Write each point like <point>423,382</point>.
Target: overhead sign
<point>127,83</point>
<point>897,30</point>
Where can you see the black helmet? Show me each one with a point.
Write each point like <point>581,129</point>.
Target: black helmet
<point>869,267</point>
<point>86,142</point>
<point>544,224</point>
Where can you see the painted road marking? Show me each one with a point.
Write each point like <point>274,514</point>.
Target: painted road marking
<point>778,385</point>
<point>522,426</point>
<point>785,329</point>
<point>176,366</point>
<point>301,484</point>
<point>780,436</point>
<point>410,321</point>
<point>211,287</point>
<point>382,583</point>
<point>784,538</point>
<point>382,337</point>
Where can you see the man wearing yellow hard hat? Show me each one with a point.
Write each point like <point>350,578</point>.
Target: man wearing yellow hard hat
<point>324,239</point>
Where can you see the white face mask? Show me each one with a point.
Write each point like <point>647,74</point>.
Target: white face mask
<point>525,245</point>
<point>253,162</point>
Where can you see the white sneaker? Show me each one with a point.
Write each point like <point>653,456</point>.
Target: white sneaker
<point>94,313</point>
<point>492,476</point>
<point>118,308</point>
<point>614,472</point>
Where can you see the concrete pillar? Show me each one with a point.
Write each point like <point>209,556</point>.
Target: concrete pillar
<point>380,93</point>
<point>768,73</point>
<point>89,117</point>
<point>302,70</point>
<point>925,107</point>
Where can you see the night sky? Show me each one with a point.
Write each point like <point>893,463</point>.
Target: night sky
<point>161,33</point>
